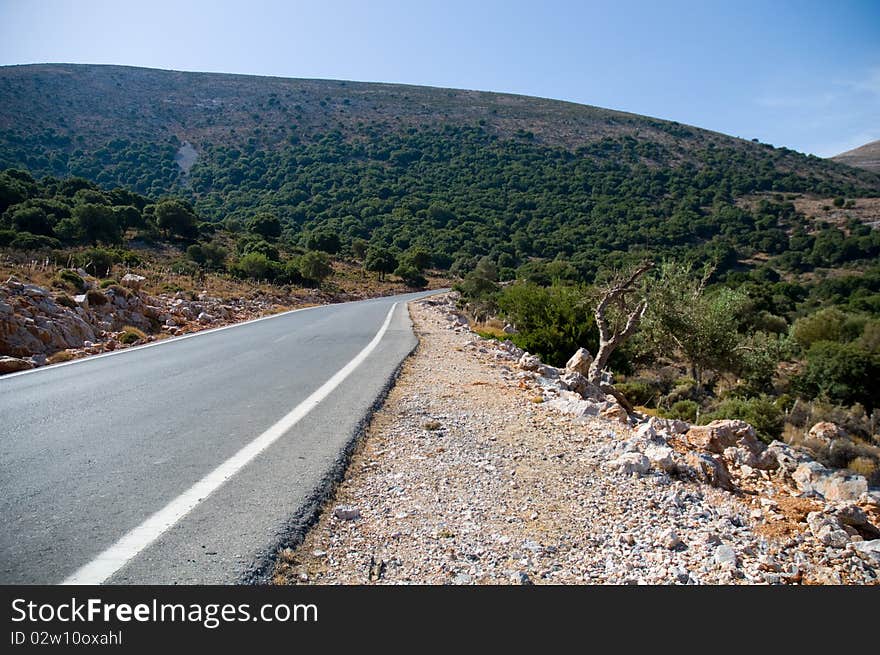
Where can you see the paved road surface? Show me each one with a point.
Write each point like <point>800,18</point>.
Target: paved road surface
<point>89,451</point>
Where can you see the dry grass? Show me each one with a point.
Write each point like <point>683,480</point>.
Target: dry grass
<point>131,334</point>
<point>60,356</point>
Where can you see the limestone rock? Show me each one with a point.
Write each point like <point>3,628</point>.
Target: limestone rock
<point>661,457</point>
<point>132,281</point>
<point>615,412</point>
<point>580,362</point>
<point>827,530</point>
<point>13,365</point>
<point>787,458</point>
<point>629,463</point>
<point>578,383</point>
<point>346,513</point>
<point>868,550</point>
<point>725,556</point>
<point>724,433</point>
<point>833,485</point>
<point>710,469</point>
<point>826,432</point>
<point>529,362</point>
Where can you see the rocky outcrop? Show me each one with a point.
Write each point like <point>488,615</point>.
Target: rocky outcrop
<point>826,432</point>
<point>36,323</point>
<point>14,365</point>
<point>812,477</point>
<point>580,362</point>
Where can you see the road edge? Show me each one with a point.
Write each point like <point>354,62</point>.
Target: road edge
<point>293,534</point>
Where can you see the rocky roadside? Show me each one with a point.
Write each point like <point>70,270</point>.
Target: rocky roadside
<point>486,467</point>
<point>41,326</point>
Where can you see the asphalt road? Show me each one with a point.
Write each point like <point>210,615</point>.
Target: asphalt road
<point>90,451</point>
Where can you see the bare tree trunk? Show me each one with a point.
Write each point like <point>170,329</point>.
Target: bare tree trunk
<point>610,338</point>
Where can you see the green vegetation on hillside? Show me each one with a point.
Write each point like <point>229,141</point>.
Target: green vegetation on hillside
<point>531,202</point>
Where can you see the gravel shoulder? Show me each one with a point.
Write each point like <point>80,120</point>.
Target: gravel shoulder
<point>466,476</point>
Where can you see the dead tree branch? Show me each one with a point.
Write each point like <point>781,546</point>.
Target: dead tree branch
<point>610,336</point>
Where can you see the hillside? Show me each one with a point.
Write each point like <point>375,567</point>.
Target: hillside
<point>866,156</point>
<point>221,186</point>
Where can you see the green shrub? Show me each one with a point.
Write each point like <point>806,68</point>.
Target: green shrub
<point>108,282</point>
<point>7,237</point>
<point>843,373</point>
<point>760,412</point>
<point>184,267</point>
<point>131,335</point>
<point>823,325</point>
<point>97,261</point>
<point>686,410</point>
<point>314,266</point>
<point>28,241</point>
<point>73,279</point>
<point>553,322</point>
<point>411,276</point>
<point>254,265</point>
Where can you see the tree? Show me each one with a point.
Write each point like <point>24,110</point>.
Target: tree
<point>419,257</point>
<point>175,218</point>
<point>97,223</point>
<point>323,239</point>
<point>411,276</point>
<point>33,220</point>
<point>702,326</point>
<point>618,314</point>
<point>254,265</point>
<point>380,260</point>
<point>314,266</point>
<point>824,325</point>
<point>359,248</point>
<point>841,372</point>
<point>266,225</point>
<point>209,255</point>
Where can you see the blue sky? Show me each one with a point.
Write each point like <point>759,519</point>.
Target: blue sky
<point>803,74</point>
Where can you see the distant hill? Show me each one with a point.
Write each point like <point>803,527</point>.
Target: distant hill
<point>866,156</point>
<point>465,173</point>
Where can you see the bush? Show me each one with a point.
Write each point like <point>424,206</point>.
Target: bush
<point>842,373</point>
<point>553,322</point>
<point>96,297</point>
<point>28,241</point>
<point>314,266</point>
<point>824,325</point>
<point>7,237</point>
<point>686,410</point>
<point>108,282</point>
<point>254,265</point>
<point>638,392</point>
<point>411,276</point>
<point>97,261</point>
<point>324,240</point>
<point>73,279</point>
<point>761,412</point>
<point>131,335</point>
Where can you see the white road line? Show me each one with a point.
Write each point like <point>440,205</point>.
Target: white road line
<point>119,554</point>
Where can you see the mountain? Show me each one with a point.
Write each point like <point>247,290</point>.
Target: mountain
<point>866,156</point>
<point>465,173</point>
